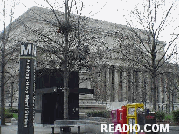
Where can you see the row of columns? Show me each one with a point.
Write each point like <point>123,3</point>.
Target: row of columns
<point>116,84</point>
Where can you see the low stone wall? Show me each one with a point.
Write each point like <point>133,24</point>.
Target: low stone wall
<point>100,119</point>
<point>93,125</point>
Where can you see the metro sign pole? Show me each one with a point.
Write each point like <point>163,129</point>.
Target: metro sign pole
<point>26,103</point>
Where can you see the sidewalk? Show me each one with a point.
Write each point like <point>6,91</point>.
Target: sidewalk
<point>12,129</point>
<point>38,129</point>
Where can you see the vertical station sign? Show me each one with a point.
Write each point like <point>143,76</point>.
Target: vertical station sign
<point>26,103</point>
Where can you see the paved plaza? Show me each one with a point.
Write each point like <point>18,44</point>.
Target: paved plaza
<point>40,129</point>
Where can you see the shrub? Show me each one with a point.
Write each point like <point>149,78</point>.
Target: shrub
<point>105,114</point>
<point>168,116</point>
<point>13,110</point>
<point>160,115</point>
<point>8,115</point>
<point>15,115</point>
<point>176,116</point>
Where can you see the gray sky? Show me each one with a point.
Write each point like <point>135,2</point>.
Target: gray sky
<point>108,10</point>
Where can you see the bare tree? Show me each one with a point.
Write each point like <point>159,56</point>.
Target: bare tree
<point>8,54</point>
<point>11,91</point>
<point>68,39</point>
<point>60,40</point>
<point>143,47</point>
<point>171,86</point>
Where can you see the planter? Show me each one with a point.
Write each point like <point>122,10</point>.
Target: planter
<point>7,120</point>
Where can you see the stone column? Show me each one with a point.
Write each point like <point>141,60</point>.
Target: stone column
<point>138,86</point>
<point>173,90</point>
<point>99,83</point>
<point>144,85</point>
<point>88,85</point>
<point>131,85</point>
<point>168,95</point>
<point>116,85</point>
<point>141,88</point>
<point>147,88</point>
<point>160,88</point>
<point>104,84</point>
<point>124,85</point>
<point>177,81</point>
<point>108,84</point>
<point>120,86</point>
<point>164,92</point>
<point>95,81</point>
<point>135,92</point>
<point>150,89</point>
<point>111,80</point>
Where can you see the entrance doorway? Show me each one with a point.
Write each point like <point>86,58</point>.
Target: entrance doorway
<point>53,107</point>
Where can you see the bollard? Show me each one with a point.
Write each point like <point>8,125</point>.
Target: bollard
<point>52,130</point>
<point>78,129</point>
<point>0,126</point>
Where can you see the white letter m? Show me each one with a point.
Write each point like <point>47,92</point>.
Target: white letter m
<point>25,51</point>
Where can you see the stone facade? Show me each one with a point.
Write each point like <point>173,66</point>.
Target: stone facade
<point>134,86</point>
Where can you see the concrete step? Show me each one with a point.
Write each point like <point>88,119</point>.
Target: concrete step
<point>84,108</point>
<point>90,110</point>
<point>92,106</point>
<point>88,103</point>
<point>82,115</point>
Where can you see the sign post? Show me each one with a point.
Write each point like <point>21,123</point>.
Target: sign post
<point>26,103</point>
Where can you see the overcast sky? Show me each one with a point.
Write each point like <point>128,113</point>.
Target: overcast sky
<point>109,10</point>
<point>116,11</point>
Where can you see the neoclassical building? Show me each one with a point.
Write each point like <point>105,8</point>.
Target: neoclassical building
<point>113,77</point>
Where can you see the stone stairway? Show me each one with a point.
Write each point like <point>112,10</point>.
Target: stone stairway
<point>88,103</point>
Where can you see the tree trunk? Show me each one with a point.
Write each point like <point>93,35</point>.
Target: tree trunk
<point>169,102</point>
<point>172,99</point>
<point>12,92</point>
<point>154,70</point>
<point>66,90</point>
<point>154,89</point>
<point>2,86</point>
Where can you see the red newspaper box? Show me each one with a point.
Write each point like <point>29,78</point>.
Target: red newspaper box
<point>119,117</point>
<point>123,117</point>
<point>115,119</point>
